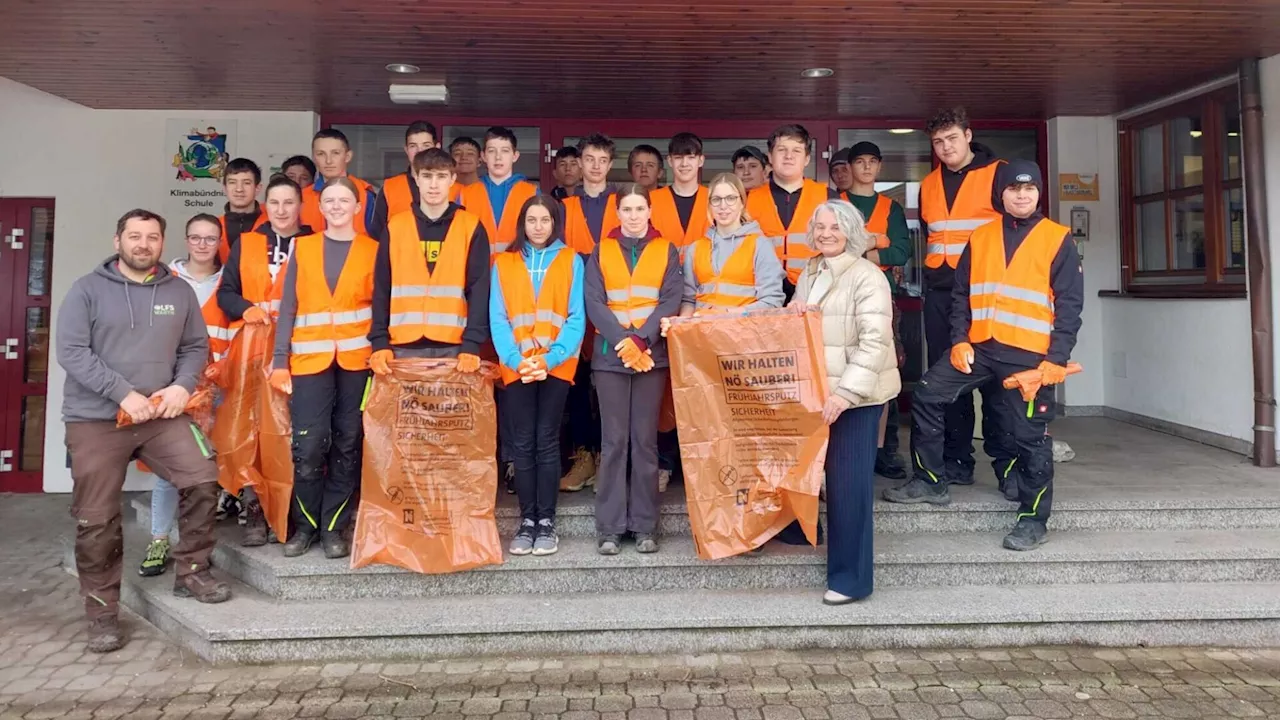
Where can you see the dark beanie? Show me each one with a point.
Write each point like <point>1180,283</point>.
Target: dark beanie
<point>1018,172</point>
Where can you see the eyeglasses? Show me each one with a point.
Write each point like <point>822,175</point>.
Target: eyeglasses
<point>719,200</point>
<point>203,239</point>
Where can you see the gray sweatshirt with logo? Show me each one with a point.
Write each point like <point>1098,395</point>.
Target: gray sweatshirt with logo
<point>115,335</point>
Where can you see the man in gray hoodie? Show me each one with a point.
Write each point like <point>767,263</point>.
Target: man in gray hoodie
<point>130,337</point>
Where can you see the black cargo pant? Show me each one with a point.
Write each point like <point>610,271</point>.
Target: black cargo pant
<point>1028,424</point>
<point>176,450</point>
<point>997,441</point>
<point>327,434</point>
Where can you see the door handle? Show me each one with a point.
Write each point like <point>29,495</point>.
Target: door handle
<point>5,457</point>
<point>11,348</point>
<point>13,239</point>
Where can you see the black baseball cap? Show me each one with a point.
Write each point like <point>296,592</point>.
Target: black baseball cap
<point>865,148</point>
<point>839,157</point>
<point>1019,172</point>
<point>750,151</point>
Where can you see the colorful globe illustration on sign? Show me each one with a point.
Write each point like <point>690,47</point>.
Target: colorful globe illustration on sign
<point>203,155</point>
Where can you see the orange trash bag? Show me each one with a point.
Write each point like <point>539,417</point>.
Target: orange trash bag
<point>429,481</point>
<point>199,408</point>
<point>243,379</point>
<point>749,390</point>
<point>273,479</point>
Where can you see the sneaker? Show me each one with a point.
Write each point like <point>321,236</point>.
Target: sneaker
<point>334,544</point>
<point>254,533</point>
<point>664,479</point>
<point>509,477</point>
<point>889,465</point>
<point>1026,535</point>
<point>608,544</point>
<point>546,542</point>
<point>300,543</point>
<point>202,586</point>
<point>916,490</point>
<point>157,558</point>
<point>228,505</point>
<point>582,474</point>
<point>522,543</point>
<point>104,634</point>
<point>646,543</point>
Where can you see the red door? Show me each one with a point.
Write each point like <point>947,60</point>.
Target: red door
<point>26,273</point>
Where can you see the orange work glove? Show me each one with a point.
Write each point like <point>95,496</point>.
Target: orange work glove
<point>468,363</point>
<point>1052,374</point>
<point>1027,382</point>
<point>378,362</point>
<point>628,352</point>
<point>962,357</point>
<point>214,370</point>
<point>256,316</point>
<point>281,381</point>
<point>644,363</point>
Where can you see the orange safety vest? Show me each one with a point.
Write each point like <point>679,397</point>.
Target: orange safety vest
<point>455,192</point>
<point>313,218</point>
<point>429,304</point>
<point>224,246</point>
<point>536,321</point>
<point>949,229</point>
<point>633,294</point>
<point>332,324</point>
<point>735,286</point>
<point>398,194</point>
<point>256,284</point>
<point>577,234</point>
<point>1013,305</point>
<point>502,231</point>
<point>878,223</point>
<point>791,242</point>
<point>665,217</point>
<point>217,326</point>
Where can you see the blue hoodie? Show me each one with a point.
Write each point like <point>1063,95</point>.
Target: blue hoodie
<point>569,341</point>
<point>499,192</point>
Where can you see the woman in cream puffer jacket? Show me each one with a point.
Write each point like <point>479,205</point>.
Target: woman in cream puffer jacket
<point>862,370</point>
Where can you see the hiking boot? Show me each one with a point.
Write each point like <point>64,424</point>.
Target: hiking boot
<point>664,479</point>
<point>608,544</point>
<point>228,505</point>
<point>646,543</point>
<point>957,474</point>
<point>522,543</point>
<point>889,465</point>
<point>254,533</point>
<point>104,634</point>
<point>1009,484</point>
<point>202,586</point>
<point>546,542</point>
<point>1026,535</point>
<point>300,543</point>
<point>916,490</point>
<point>509,477</point>
<point>581,474</point>
<point>157,559</point>
<point>334,544</point>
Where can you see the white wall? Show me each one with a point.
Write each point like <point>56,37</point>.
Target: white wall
<point>1270,80</point>
<point>97,164</point>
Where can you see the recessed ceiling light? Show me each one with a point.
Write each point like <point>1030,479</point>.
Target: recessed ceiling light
<point>817,72</point>
<point>901,131</point>
<point>403,68</point>
<point>1196,133</point>
<point>1233,134</point>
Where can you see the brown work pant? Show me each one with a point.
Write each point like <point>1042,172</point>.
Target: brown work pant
<point>175,450</point>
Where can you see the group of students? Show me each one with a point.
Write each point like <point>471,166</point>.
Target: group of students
<point>573,291</point>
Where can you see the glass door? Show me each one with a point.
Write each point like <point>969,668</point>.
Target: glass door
<point>27,272</point>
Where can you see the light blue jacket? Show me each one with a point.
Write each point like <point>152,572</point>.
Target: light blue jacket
<point>569,341</point>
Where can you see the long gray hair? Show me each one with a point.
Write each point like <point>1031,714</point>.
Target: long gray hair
<point>850,222</point>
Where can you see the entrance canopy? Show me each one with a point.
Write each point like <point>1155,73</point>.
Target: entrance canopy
<point>723,59</point>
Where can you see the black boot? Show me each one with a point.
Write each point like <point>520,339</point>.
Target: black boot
<point>1026,535</point>
<point>335,546</point>
<point>254,532</point>
<point>889,465</point>
<point>919,491</point>
<point>301,541</point>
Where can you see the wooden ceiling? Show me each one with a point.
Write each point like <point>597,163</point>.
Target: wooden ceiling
<point>673,58</point>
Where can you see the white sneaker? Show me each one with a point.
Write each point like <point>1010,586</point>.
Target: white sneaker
<point>834,598</point>
<point>664,479</point>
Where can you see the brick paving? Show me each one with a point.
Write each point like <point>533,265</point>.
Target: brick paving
<point>45,672</point>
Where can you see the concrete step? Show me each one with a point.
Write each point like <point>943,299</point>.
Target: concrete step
<point>255,628</point>
<point>976,508</point>
<point>932,559</point>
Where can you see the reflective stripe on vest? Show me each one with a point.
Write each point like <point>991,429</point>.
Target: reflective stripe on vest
<point>536,321</point>
<point>633,294</point>
<point>791,242</point>
<point>949,228</point>
<point>429,304</point>
<point>734,286</point>
<point>1013,305</point>
<point>332,325</point>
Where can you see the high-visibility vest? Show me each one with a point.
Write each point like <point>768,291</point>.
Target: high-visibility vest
<point>455,192</point>
<point>577,234</point>
<point>224,245</point>
<point>791,242</point>
<point>665,218</point>
<point>256,284</point>
<point>735,285</point>
<point>633,294</point>
<point>949,228</point>
<point>502,231</point>
<point>332,324</point>
<point>429,304</point>
<point>536,322</point>
<point>878,223</point>
<point>217,326</point>
<point>312,217</point>
<point>398,194</point>
<point>1013,304</point>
